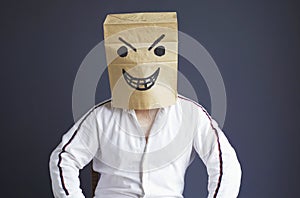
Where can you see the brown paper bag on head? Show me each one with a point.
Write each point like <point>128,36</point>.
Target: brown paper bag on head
<point>142,57</point>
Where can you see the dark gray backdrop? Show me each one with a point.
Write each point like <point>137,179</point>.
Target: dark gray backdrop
<point>255,44</point>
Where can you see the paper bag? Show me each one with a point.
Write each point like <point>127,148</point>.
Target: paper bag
<point>141,53</point>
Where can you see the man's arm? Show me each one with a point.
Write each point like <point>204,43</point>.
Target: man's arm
<point>76,150</point>
<point>219,157</point>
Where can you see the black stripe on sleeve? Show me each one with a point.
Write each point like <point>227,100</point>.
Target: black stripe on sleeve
<point>69,142</point>
<point>218,141</point>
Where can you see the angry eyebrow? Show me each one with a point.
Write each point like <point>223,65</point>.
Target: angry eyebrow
<point>156,41</point>
<point>128,44</point>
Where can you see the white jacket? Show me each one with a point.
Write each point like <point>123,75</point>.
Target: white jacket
<point>130,167</point>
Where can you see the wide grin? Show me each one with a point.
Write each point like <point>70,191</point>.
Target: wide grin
<point>140,84</point>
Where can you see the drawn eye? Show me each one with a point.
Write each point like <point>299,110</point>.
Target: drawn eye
<point>159,51</point>
<point>122,51</point>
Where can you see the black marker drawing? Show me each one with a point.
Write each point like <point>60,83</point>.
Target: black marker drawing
<point>140,84</point>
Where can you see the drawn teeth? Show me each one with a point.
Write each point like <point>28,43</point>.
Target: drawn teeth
<point>141,84</point>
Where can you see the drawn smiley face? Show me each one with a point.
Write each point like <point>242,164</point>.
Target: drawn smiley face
<point>142,59</point>
<point>141,84</point>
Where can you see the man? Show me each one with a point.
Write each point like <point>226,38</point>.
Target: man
<point>142,141</point>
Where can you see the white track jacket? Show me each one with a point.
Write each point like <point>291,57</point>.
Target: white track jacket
<point>131,167</point>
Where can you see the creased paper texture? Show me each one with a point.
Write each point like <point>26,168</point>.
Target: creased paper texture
<point>142,57</point>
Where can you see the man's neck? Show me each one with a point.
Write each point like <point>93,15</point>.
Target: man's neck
<point>146,118</point>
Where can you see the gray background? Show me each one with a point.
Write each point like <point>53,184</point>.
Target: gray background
<point>255,44</point>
